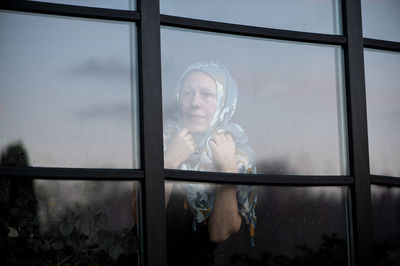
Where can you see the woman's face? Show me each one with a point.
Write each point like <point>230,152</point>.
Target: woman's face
<point>198,101</point>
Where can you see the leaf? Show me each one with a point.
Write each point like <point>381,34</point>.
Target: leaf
<point>57,245</point>
<point>66,229</point>
<point>115,252</point>
<point>102,220</point>
<point>106,237</point>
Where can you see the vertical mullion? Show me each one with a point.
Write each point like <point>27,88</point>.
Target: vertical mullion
<point>153,228</point>
<point>358,135</point>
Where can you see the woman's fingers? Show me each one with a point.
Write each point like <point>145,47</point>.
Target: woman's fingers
<point>184,131</point>
<point>223,137</point>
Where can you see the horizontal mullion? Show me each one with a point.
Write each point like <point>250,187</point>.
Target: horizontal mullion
<point>71,10</point>
<point>385,180</point>
<point>71,173</point>
<point>382,45</point>
<point>257,179</point>
<point>252,31</point>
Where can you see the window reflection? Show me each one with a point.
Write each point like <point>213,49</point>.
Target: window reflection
<point>304,15</point>
<point>294,226</point>
<point>381,19</point>
<point>68,90</point>
<point>290,102</point>
<point>385,221</point>
<point>114,4</point>
<point>67,223</point>
<point>383,98</point>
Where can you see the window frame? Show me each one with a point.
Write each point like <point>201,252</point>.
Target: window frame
<point>152,174</point>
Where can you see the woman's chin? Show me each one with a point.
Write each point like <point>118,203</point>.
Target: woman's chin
<point>197,129</point>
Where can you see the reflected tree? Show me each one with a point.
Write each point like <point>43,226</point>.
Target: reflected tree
<point>333,252</point>
<point>74,237</point>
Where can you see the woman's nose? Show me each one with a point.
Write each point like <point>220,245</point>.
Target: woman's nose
<point>196,100</point>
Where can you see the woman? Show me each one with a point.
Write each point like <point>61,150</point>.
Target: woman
<point>201,137</point>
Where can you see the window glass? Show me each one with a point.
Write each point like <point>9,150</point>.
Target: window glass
<point>113,4</point>
<point>385,221</point>
<point>383,97</point>
<point>67,223</point>
<point>304,15</point>
<point>289,99</point>
<point>68,91</point>
<point>275,225</point>
<point>381,19</point>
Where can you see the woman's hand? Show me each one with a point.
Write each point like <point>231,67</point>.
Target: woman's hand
<point>179,149</point>
<point>224,152</point>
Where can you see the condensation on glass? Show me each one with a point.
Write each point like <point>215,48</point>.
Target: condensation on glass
<point>304,15</point>
<point>294,225</point>
<point>290,103</point>
<point>50,222</point>
<point>113,4</point>
<point>68,91</point>
<point>382,84</point>
<point>385,222</point>
<point>381,19</point>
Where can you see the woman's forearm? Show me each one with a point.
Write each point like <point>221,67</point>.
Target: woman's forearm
<point>225,219</point>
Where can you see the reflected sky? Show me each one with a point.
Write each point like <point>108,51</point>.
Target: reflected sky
<point>66,90</point>
<point>381,19</point>
<point>290,96</point>
<point>114,4</point>
<point>305,15</point>
<point>382,84</point>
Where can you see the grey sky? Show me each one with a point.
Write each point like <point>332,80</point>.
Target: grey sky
<point>66,90</point>
<point>382,84</point>
<point>307,15</point>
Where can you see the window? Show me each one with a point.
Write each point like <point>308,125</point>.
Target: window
<point>88,88</point>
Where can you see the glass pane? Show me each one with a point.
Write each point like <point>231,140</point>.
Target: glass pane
<point>68,91</point>
<point>113,4</point>
<point>256,225</point>
<point>382,83</point>
<point>67,223</point>
<point>385,222</point>
<point>381,19</point>
<point>289,100</point>
<point>304,15</point>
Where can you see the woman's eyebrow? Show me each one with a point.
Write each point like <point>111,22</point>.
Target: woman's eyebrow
<point>208,88</point>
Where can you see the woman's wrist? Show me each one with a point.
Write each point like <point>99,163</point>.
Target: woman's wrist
<point>169,162</point>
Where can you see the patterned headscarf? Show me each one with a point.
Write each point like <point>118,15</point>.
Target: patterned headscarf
<point>201,197</point>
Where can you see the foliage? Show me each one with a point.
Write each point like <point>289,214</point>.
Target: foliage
<point>76,239</point>
<point>386,254</point>
<point>333,252</point>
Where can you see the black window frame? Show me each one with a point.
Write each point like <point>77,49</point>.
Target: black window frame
<point>152,174</point>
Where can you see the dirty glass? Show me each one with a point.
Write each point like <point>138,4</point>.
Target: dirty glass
<point>250,105</point>
<point>383,97</point>
<point>49,222</point>
<point>304,15</point>
<point>278,225</point>
<point>68,91</point>
<point>385,222</point>
<point>381,19</point>
<point>113,4</point>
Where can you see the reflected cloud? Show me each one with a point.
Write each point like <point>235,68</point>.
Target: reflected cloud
<point>111,67</point>
<point>116,110</point>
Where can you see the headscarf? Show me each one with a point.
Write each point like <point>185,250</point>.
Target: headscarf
<point>201,197</point>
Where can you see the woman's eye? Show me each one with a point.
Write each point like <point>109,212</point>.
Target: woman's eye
<point>187,94</point>
<point>209,95</point>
